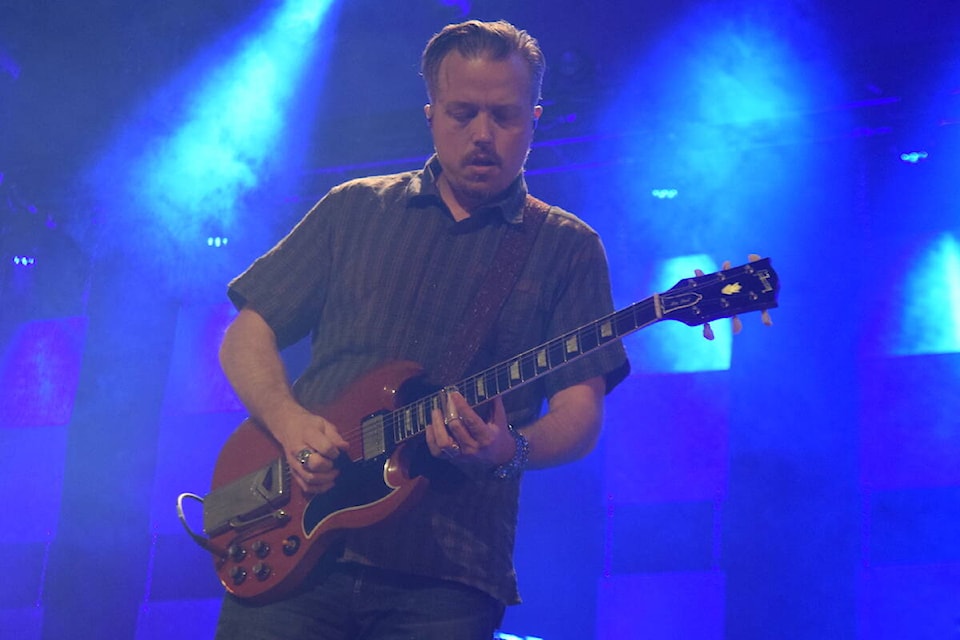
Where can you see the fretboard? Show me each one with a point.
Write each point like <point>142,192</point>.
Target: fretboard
<point>412,419</point>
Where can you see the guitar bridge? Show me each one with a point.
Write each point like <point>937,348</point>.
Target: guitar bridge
<point>247,500</point>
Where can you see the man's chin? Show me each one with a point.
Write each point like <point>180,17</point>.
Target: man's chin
<point>477,191</point>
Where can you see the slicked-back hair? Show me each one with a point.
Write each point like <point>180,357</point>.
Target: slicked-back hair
<point>475,39</point>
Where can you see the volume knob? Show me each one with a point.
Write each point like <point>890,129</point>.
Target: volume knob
<point>261,570</point>
<point>238,575</point>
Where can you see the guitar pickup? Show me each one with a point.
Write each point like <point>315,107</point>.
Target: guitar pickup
<point>247,499</point>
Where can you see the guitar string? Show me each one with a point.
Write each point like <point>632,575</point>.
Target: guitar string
<point>394,420</point>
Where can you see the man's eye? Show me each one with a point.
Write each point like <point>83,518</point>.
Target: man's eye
<point>508,118</point>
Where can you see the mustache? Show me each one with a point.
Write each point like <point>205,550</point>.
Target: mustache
<point>482,157</point>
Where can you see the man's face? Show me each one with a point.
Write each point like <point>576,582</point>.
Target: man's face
<point>482,123</point>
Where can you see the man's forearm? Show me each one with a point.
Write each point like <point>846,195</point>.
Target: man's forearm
<point>251,362</point>
<point>570,428</point>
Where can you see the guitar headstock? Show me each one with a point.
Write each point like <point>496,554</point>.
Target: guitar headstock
<point>700,299</point>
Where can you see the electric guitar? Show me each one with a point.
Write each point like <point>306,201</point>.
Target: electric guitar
<point>266,534</point>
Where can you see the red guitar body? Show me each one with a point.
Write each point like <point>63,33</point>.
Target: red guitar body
<point>263,553</point>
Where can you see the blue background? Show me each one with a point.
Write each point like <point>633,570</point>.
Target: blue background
<point>799,481</point>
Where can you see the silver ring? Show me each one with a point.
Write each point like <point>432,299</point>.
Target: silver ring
<point>449,419</point>
<point>304,455</point>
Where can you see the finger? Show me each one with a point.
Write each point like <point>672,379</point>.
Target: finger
<point>312,484</point>
<point>314,480</point>
<point>439,440</point>
<point>330,442</point>
<point>499,412</point>
<point>468,428</point>
<point>435,418</point>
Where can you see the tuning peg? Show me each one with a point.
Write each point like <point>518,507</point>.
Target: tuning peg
<point>753,257</point>
<point>766,319</point>
<point>726,265</point>
<point>736,324</point>
<point>707,331</point>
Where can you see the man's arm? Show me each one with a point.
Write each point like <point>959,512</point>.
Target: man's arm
<point>251,361</point>
<point>570,428</point>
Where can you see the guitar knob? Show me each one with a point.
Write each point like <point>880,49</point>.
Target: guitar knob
<point>261,570</point>
<point>238,575</point>
<point>291,545</point>
<point>261,549</point>
<point>236,552</point>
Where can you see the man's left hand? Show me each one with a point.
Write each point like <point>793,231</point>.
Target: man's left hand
<point>463,437</point>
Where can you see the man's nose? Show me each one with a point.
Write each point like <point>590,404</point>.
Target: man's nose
<point>482,128</point>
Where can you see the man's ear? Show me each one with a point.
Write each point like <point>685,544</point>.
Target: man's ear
<point>426,112</point>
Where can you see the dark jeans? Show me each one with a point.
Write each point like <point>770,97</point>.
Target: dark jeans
<point>354,602</point>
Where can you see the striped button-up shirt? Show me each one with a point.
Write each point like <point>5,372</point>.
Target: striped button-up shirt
<point>379,270</point>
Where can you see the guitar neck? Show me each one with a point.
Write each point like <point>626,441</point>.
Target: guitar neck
<point>558,352</point>
<point>693,301</point>
<point>410,420</point>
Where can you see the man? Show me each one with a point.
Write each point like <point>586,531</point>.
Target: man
<point>384,268</point>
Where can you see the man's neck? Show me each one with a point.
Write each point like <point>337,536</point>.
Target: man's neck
<point>458,209</point>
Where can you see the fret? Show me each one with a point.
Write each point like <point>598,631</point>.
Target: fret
<point>528,367</point>
<point>625,321</point>
<point>394,422</point>
<point>503,378</point>
<point>423,414</point>
<point>589,339</point>
<point>557,354</point>
<point>493,382</point>
<point>469,393</point>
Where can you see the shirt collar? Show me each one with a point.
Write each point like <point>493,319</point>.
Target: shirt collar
<point>509,207</point>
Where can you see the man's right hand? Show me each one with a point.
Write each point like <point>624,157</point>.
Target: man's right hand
<point>312,446</point>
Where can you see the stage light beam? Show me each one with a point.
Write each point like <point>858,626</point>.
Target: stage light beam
<point>930,321</point>
<point>184,165</point>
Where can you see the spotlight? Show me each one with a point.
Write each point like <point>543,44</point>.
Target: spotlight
<point>665,194</point>
<point>217,241</point>
<point>914,157</point>
<point>24,261</point>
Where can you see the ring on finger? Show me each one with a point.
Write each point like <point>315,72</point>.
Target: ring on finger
<point>303,456</point>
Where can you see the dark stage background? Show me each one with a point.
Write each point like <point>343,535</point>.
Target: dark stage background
<point>800,481</point>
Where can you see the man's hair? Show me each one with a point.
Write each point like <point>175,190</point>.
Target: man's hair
<point>474,39</point>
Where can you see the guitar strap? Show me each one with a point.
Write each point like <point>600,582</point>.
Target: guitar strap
<point>478,320</point>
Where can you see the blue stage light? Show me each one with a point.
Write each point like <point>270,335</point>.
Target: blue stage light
<point>721,98</point>
<point>198,149</point>
<point>674,347</point>
<point>665,194</point>
<point>914,157</point>
<point>930,302</point>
